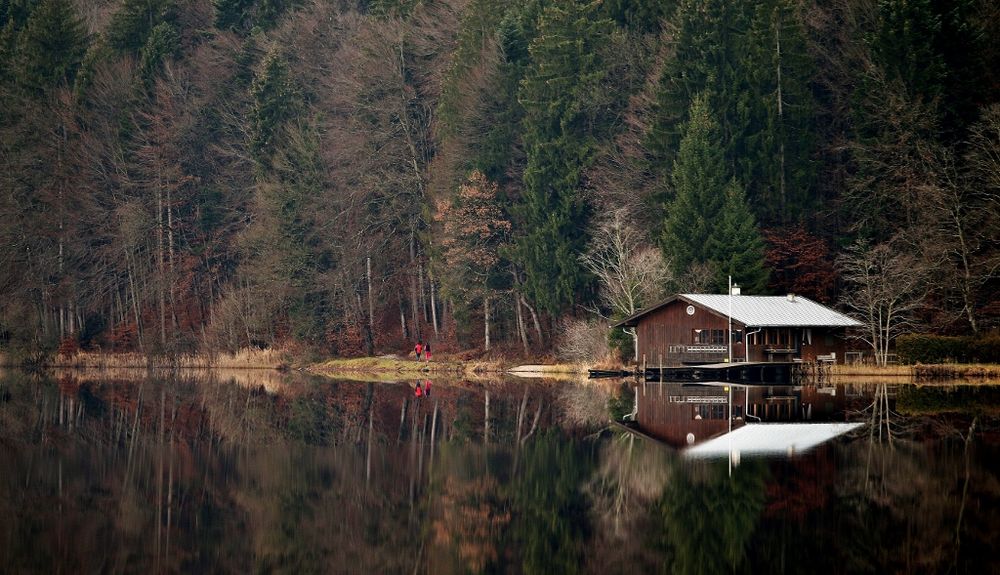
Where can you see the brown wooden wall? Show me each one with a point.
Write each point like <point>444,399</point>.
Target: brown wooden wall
<point>671,326</point>
<point>662,332</point>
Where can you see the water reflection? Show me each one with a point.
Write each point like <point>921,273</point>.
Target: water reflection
<point>172,473</point>
<point>720,419</point>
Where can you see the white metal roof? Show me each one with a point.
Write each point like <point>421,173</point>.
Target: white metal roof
<point>770,439</point>
<point>765,311</point>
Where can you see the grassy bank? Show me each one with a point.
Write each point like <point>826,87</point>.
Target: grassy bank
<point>922,372</point>
<point>243,359</point>
<point>404,367</point>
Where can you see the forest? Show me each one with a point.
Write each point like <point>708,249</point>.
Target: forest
<point>494,176</point>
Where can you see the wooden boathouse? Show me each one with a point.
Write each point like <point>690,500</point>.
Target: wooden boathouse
<point>691,329</point>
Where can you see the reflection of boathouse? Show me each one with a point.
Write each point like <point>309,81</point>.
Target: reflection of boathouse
<point>683,415</point>
<point>694,328</point>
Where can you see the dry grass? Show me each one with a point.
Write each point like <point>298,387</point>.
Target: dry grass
<point>401,366</point>
<point>244,359</point>
<point>923,373</point>
<point>271,380</point>
<point>872,370</point>
<point>976,372</point>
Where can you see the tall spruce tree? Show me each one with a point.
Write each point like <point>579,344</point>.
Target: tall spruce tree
<point>704,59</point>
<point>132,24</point>
<point>50,48</point>
<point>771,154</point>
<point>700,179</point>
<point>275,100</point>
<point>753,61</point>
<point>561,79</point>
<point>735,246</point>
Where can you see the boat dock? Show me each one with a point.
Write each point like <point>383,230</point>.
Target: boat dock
<point>756,372</point>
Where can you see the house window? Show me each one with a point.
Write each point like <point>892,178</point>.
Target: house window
<point>703,411</point>
<point>708,336</point>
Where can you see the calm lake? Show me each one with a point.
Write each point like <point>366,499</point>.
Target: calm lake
<point>260,472</point>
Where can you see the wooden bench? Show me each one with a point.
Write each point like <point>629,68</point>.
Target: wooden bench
<point>830,358</point>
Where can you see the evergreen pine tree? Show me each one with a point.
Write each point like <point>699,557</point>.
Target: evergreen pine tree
<point>735,245</point>
<point>51,47</point>
<point>771,151</point>
<point>132,24</point>
<point>163,43</point>
<point>274,101</point>
<point>563,74</point>
<point>704,59</point>
<point>699,182</point>
<point>232,14</point>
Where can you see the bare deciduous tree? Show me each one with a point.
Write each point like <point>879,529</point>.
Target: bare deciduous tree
<point>583,341</point>
<point>885,289</point>
<point>631,272</point>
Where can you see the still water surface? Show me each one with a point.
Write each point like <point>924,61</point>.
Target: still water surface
<point>259,472</point>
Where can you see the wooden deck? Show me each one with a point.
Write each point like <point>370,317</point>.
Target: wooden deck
<point>777,373</point>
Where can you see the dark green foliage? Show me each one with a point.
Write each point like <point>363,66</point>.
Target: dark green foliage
<point>773,140</point>
<point>707,519</point>
<point>622,402</point>
<point>699,181</point>
<point>275,99</point>
<point>132,24</point>
<point>270,11</point>
<point>562,79</point>
<point>50,48</point>
<point>232,14</point>
<point>945,349</point>
<point>247,15</point>
<point>731,52</point>
<point>623,342</point>
<point>904,46</point>
<point>736,246</point>
<point>937,400</point>
<point>163,43</point>
<point>640,15</point>
<point>704,59</point>
<point>550,519</point>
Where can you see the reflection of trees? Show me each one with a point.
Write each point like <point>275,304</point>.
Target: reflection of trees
<point>202,476</point>
<point>629,478</point>
<point>707,517</point>
<point>549,521</point>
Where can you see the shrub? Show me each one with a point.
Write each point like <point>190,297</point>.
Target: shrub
<point>582,341</point>
<point>948,349</point>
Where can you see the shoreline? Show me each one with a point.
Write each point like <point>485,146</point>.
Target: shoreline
<point>283,360</point>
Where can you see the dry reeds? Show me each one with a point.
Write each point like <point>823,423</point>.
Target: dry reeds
<point>937,372</point>
<point>244,359</point>
<point>859,369</point>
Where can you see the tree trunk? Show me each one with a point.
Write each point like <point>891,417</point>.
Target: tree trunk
<point>371,302</point>
<point>486,420</point>
<point>434,317</point>
<point>486,318</point>
<point>781,115</point>
<point>414,303</point>
<point>521,331</point>
<point>161,279</point>
<point>534,318</point>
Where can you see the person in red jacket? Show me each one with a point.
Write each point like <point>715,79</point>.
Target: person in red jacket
<point>418,349</point>
<point>418,391</point>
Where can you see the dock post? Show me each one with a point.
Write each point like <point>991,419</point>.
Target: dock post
<point>661,373</point>
<point>644,375</point>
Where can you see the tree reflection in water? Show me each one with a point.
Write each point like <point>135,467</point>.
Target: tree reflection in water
<point>168,473</point>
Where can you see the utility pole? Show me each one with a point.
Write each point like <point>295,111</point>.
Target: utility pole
<point>729,338</point>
